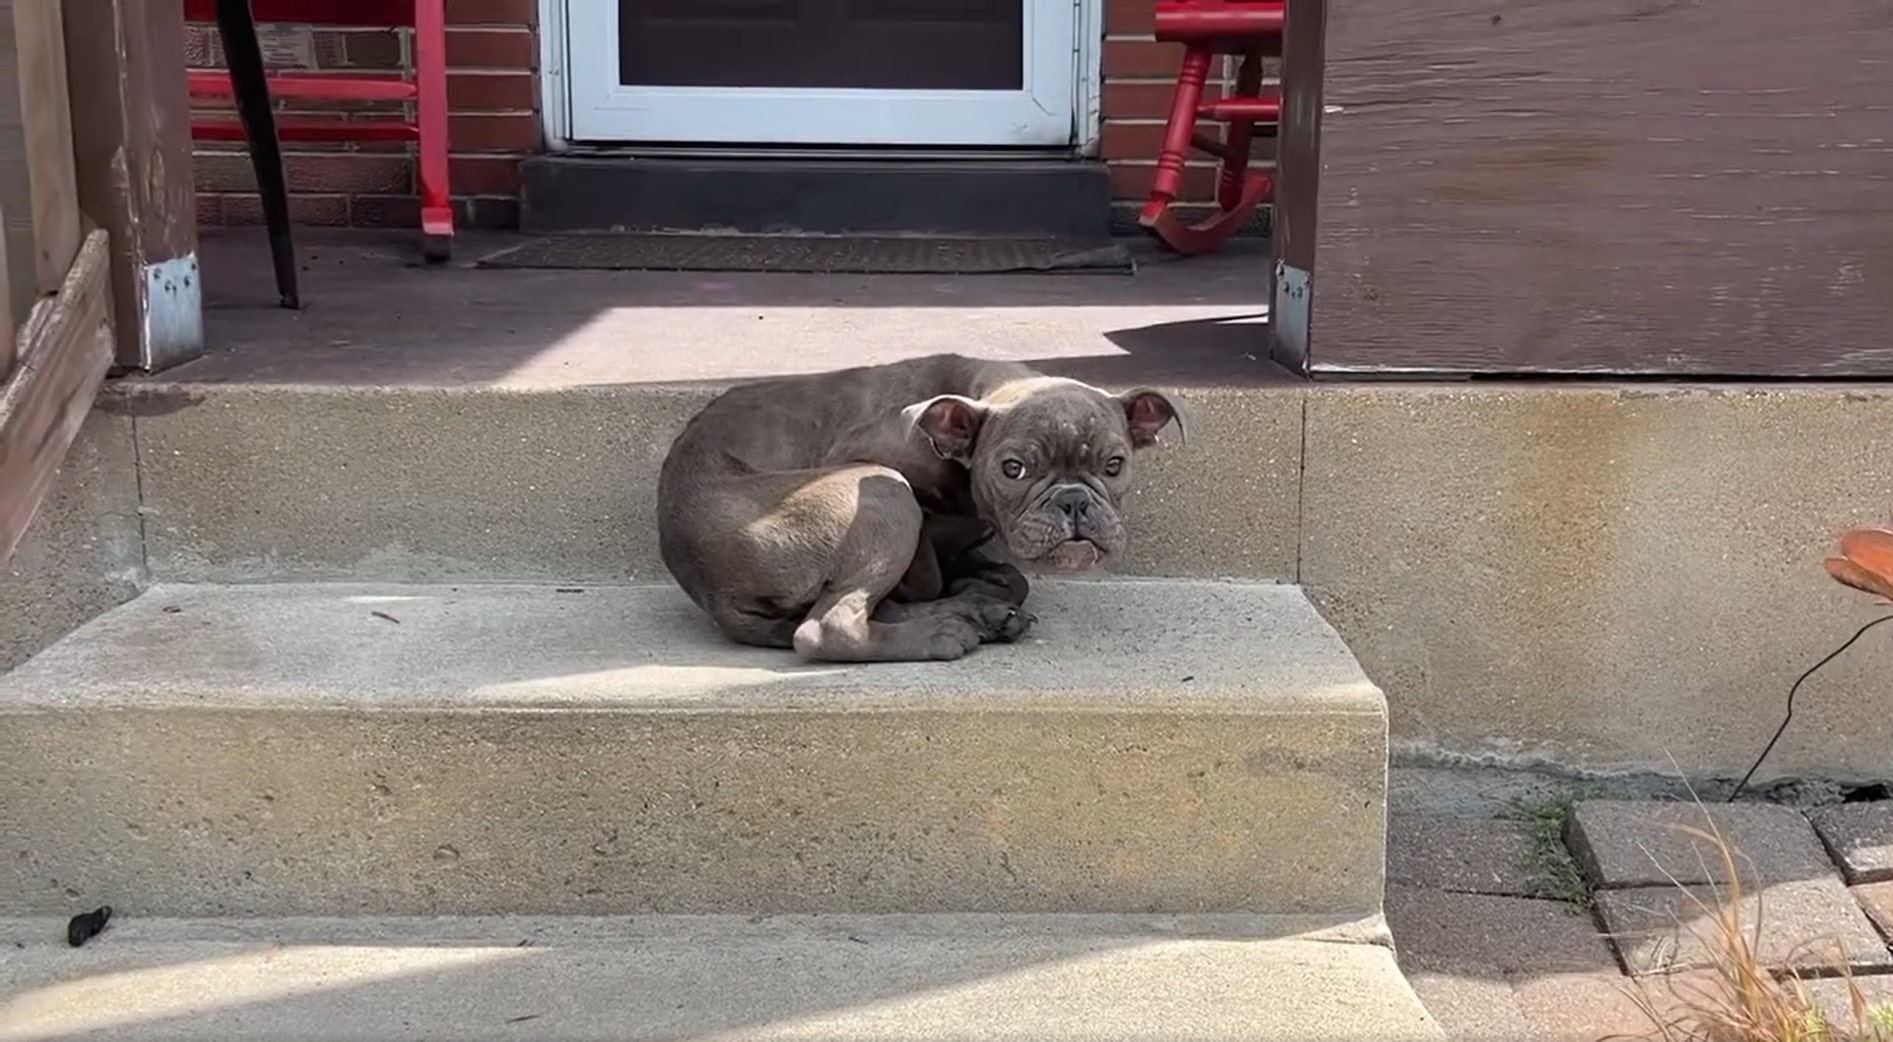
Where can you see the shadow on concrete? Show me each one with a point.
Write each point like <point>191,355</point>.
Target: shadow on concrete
<point>620,981</point>
<point>374,315</point>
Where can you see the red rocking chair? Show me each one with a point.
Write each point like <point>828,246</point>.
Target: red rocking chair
<point>1209,29</point>
<point>257,124</point>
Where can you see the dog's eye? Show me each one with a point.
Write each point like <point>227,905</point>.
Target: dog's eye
<point>1114,466</point>
<point>1013,469</point>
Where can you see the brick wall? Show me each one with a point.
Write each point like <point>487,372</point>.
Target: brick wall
<point>1139,78</point>
<point>492,93</point>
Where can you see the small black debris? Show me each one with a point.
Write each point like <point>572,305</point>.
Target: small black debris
<point>1872,793</point>
<point>171,609</point>
<point>522,1018</point>
<point>385,617</point>
<point>87,925</point>
<point>1189,678</point>
<point>569,589</point>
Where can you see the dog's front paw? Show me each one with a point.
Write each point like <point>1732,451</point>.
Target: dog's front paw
<point>1002,622</point>
<point>952,639</point>
<point>1003,581</point>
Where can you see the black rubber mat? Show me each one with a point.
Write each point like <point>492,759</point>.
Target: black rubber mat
<point>820,254</point>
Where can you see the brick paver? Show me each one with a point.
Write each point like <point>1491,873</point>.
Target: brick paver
<point>1627,843</point>
<point>1491,962</point>
<point>1433,929</point>
<point>1860,837</point>
<point>1805,924</point>
<point>1580,1007</point>
<point>1463,855</point>
<point>1877,900</point>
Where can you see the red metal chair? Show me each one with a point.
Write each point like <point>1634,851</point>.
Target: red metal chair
<point>1209,29</point>
<point>257,124</point>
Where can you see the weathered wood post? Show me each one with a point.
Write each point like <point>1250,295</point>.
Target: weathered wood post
<point>126,60</point>
<point>1297,183</point>
<point>56,339</point>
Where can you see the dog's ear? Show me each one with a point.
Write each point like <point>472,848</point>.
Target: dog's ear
<point>950,423</point>
<point>1148,412</point>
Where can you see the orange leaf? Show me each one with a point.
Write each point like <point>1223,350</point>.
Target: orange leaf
<point>1851,574</point>
<point>1870,548</point>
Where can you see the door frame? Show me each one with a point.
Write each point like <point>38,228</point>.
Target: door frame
<point>555,88</point>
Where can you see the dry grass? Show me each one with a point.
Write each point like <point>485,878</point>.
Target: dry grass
<point>1738,998</point>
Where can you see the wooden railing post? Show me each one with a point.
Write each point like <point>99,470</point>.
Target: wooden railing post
<point>127,76</point>
<point>1297,183</point>
<point>56,339</point>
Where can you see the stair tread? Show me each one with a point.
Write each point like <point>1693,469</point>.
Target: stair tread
<point>885,978</point>
<point>1110,644</point>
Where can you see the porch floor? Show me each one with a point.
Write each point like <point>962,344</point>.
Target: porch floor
<point>373,315</point>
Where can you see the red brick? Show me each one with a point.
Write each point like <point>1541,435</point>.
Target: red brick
<point>385,211</point>
<point>484,175</point>
<point>1146,100</point>
<point>494,133</point>
<point>222,172</point>
<point>209,210</point>
<point>200,46</point>
<point>329,211</point>
<point>1142,58</point>
<point>491,48</point>
<point>486,213</point>
<point>349,172</point>
<point>1128,16</point>
<point>1133,141</point>
<point>492,12</point>
<point>1142,141</point>
<point>360,49</point>
<point>491,92</point>
<point>1133,182</point>
<point>287,46</point>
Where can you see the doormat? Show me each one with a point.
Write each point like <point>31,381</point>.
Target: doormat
<point>829,255</point>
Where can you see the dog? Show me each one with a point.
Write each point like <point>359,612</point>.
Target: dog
<point>852,515</point>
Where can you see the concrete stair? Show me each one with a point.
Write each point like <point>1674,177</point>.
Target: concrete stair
<point>392,811</point>
<point>830,979</point>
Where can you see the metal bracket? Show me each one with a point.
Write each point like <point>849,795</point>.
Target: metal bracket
<point>174,314</point>
<point>1289,315</point>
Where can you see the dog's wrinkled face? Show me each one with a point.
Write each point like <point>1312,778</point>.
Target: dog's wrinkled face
<point>1050,460</point>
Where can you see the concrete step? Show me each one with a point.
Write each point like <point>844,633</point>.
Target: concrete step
<point>1022,197</point>
<point>1154,746</point>
<point>822,979</point>
<point>248,482</point>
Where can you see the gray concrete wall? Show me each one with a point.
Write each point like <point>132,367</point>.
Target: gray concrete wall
<point>82,554</point>
<point>1605,577</point>
<point>1595,577</point>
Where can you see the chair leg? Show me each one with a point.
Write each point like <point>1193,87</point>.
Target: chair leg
<point>430,115</point>
<point>243,53</point>
<point>1168,180</point>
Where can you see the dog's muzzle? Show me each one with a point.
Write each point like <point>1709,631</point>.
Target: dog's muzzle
<point>1083,545</point>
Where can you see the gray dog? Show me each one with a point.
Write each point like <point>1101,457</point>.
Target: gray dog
<point>844,514</point>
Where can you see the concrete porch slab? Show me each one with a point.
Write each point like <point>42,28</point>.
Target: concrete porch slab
<point>403,750</point>
<point>375,317</point>
<point>887,979</point>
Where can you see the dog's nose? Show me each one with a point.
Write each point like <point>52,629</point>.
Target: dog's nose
<point>1072,499</point>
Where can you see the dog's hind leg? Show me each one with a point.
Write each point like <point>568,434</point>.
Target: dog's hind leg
<point>811,555</point>
<point>951,561</point>
<point>871,554</point>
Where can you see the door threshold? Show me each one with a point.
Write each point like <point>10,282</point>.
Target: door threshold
<point>1010,195</point>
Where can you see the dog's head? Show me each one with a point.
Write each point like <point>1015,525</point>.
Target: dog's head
<point>1050,460</point>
